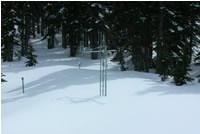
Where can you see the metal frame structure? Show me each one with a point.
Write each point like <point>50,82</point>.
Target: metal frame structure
<point>103,66</point>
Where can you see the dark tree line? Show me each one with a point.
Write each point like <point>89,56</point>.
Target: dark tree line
<point>168,29</point>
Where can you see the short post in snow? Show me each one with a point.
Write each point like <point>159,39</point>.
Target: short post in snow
<point>79,65</point>
<point>23,85</point>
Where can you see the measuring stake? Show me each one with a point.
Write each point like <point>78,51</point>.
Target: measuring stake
<point>79,65</point>
<point>23,85</point>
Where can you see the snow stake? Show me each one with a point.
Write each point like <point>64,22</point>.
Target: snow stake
<point>23,85</point>
<point>79,65</point>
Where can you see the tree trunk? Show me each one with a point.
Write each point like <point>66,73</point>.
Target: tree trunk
<point>148,38</point>
<point>50,42</point>
<point>72,42</point>
<point>160,41</point>
<point>38,25</point>
<point>43,26</point>
<point>23,38</point>
<point>51,37</point>
<point>85,38</point>
<point>191,36</point>
<point>33,27</point>
<point>9,53</point>
<point>94,43</point>
<point>64,33</point>
<point>27,34</point>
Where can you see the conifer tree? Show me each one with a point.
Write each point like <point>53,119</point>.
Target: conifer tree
<point>9,20</point>
<point>31,60</point>
<point>2,79</point>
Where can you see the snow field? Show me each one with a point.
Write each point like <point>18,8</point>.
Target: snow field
<point>61,99</point>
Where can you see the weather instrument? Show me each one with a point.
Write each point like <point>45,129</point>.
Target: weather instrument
<point>103,66</point>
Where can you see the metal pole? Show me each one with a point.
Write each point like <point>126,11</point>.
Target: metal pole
<point>100,78</point>
<point>79,65</point>
<point>104,84</point>
<point>103,76</point>
<point>106,76</point>
<point>23,85</point>
<point>103,68</point>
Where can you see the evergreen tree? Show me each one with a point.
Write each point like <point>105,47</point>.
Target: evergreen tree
<point>25,27</point>
<point>9,31</point>
<point>31,60</point>
<point>134,29</point>
<point>51,10</point>
<point>174,53</point>
<point>2,79</point>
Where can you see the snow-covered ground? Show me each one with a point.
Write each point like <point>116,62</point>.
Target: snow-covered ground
<point>60,98</point>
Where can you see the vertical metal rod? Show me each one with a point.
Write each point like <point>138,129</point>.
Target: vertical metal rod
<point>103,76</point>
<point>79,65</point>
<point>103,68</point>
<point>106,76</point>
<point>23,85</point>
<point>100,77</point>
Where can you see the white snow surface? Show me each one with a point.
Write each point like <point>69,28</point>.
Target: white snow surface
<point>60,98</point>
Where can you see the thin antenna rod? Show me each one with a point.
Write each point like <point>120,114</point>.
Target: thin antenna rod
<point>100,77</point>
<point>106,75</point>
